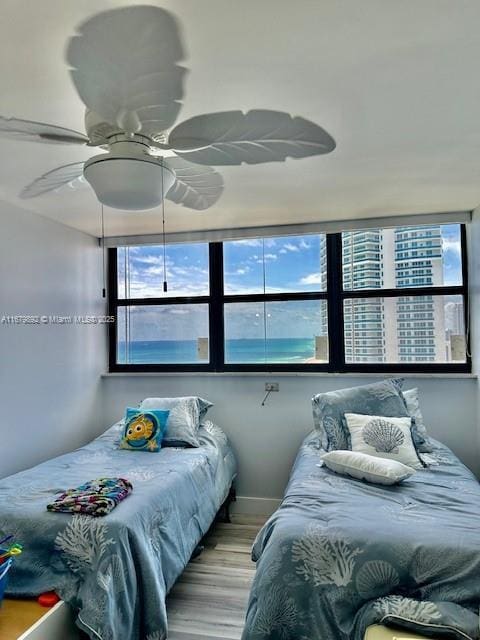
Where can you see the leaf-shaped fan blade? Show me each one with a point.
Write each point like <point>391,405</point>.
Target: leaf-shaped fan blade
<point>124,67</point>
<point>17,129</point>
<point>196,187</point>
<point>234,137</point>
<point>53,180</point>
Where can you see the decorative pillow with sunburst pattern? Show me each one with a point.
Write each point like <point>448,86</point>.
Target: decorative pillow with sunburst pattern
<point>383,437</point>
<point>143,430</point>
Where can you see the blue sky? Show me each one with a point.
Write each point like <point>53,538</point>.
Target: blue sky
<point>291,264</point>
<point>452,263</point>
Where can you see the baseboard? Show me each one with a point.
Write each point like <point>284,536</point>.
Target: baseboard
<point>255,506</point>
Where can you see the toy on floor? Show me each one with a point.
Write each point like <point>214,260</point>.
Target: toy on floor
<point>48,599</point>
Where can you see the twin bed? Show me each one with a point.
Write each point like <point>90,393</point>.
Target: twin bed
<point>341,554</point>
<point>115,571</point>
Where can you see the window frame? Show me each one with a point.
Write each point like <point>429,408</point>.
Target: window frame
<point>335,296</point>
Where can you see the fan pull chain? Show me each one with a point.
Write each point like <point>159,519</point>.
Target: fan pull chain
<point>165,285</point>
<point>104,269</point>
<point>265,346</point>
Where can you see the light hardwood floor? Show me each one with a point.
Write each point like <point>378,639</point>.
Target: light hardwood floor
<point>210,598</point>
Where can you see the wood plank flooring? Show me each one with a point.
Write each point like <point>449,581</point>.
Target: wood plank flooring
<point>210,598</point>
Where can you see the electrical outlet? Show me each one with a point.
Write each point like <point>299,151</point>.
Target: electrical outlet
<point>271,386</point>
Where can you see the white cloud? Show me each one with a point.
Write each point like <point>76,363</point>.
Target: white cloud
<point>450,244</point>
<point>269,257</point>
<point>291,247</point>
<point>283,251</point>
<point>312,278</point>
<point>253,242</point>
<point>241,271</point>
<point>147,259</point>
<point>151,271</point>
<point>270,242</point>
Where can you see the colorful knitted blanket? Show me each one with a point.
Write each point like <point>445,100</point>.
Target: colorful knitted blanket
<point>94,498</point>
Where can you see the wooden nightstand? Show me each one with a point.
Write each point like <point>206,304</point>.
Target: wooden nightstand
<point>27,620</point>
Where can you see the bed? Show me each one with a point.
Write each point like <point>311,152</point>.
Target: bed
<point>340,554</point>
<point>115,571</point>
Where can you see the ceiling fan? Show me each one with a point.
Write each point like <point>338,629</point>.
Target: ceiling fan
<point>133,96</point>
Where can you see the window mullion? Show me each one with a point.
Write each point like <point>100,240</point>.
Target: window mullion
<point>112,293</point>
<point>336,342</point>
<point>216,322</point>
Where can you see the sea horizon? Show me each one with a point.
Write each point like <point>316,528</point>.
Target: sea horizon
<point>237,351</point>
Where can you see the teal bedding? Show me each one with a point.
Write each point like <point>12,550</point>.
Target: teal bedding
<point>115,571</point>
<point>341,554</point>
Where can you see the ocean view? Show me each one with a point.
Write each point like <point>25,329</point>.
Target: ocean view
<point>248,351</point>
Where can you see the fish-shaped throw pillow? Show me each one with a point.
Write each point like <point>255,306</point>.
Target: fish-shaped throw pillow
<point>144,430</point>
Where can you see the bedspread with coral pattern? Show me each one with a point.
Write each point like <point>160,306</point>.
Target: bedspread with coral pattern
<point>116,570</point>
<point>341,554</point>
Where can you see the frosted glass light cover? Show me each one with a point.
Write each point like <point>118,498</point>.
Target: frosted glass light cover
<point>133,184</point>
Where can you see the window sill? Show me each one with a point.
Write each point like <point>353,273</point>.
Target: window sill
<point>282,374</point>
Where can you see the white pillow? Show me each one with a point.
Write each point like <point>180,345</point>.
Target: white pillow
<point>383,438</point>
<point>184,419</point>
<point>366,467</point>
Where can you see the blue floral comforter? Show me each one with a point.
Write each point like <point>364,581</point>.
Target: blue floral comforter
<point>341,554</point>
<point>116,571</point>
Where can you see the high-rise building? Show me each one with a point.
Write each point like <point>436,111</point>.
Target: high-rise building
<point>394,329</point>
<point>364,318</point>
<point>454,320</point>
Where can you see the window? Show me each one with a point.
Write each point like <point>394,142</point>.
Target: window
<point>156,327</point>
<point>275,302</point>
<point>413,305</point>
<point>372,300</point>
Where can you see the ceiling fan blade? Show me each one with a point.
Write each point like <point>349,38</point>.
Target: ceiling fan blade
<point>196,187</point>
<point>261,135</point>
<point>17,129</point>
<point>138,88</point>
<point>54,180</point>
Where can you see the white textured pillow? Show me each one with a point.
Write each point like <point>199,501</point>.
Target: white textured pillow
<point>383,438</point>
<point>184,419</point>
<point>366,467</point>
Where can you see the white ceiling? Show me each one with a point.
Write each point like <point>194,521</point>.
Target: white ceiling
<point>395,83</point>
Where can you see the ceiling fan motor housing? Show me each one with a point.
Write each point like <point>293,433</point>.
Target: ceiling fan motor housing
<point>133,182</point>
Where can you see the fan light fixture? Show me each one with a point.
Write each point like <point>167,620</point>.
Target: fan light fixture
<point>130,183</point>
<point>133,100</point>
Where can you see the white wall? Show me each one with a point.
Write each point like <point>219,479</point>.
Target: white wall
<point>474,285</point>
<point>49,374</point>
<point>266,439</point>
